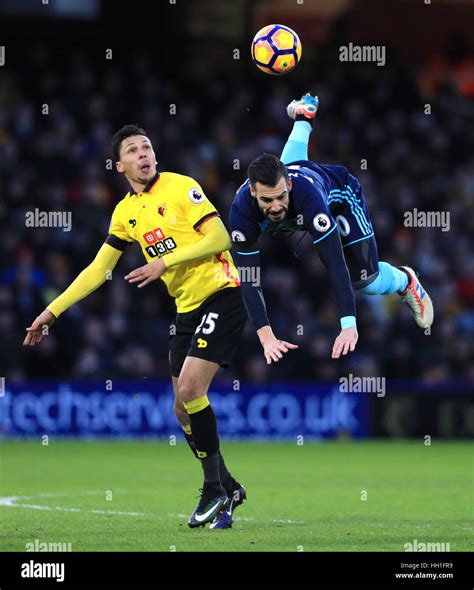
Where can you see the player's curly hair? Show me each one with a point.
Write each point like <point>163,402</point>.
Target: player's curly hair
<point>267,169</point>
<point>123,133</point>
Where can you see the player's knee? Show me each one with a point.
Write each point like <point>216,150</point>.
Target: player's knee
<point>186,391</point>
<point>180,412</point>
<point>367,286</point>
<point>369,289</point>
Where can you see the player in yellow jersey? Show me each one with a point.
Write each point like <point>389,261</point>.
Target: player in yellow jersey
<point>186,245</point>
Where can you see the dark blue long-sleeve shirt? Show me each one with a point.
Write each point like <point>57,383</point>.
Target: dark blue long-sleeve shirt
<point>308,211</point>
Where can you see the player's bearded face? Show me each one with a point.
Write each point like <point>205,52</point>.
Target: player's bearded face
<point>273,201</point>
<point>137,159</point>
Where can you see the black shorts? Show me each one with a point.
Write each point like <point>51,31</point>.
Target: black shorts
<point>210,332</point>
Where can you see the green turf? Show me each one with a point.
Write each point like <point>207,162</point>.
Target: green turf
<point>301,498</point>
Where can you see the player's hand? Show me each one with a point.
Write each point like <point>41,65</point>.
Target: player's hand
<point>146,274</point>
<point>345,342</point>
<point>36,330</point>
<point>273,349</point>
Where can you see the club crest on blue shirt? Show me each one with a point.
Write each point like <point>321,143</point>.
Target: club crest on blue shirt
<point>321,222</point>
<point>238,236</point>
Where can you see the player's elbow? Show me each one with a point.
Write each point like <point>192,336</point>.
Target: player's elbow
<point>217,236</point>
<point>222,240</point>
<point>226,242</point>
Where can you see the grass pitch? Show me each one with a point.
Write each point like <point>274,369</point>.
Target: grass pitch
<point>137,495</point>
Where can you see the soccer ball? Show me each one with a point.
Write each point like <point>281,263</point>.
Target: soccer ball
<point>276,49</point>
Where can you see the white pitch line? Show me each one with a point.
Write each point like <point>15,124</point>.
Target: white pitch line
<point>61,508</point>
<point>13,502</point>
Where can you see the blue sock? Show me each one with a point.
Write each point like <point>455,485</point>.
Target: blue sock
<point>389,280</point>
<point>296,147</point>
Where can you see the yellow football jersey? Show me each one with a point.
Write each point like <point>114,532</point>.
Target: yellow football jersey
<point>167,216</point>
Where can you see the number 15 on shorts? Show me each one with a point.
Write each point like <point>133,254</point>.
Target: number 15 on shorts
<point>208,323</point>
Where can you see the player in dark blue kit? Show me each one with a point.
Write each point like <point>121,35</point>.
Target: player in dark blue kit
<point>281,196</point>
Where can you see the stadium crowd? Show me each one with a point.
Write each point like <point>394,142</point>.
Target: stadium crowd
<point>409,149</point>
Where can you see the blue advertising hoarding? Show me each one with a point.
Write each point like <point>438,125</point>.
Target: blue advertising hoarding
<point>145,408</point>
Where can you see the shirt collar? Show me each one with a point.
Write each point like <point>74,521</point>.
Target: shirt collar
<point>148,187</point>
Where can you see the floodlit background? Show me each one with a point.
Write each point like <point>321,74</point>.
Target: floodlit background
<point>405,129</point>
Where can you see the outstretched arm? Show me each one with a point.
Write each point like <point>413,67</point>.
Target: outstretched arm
<point>323,228</point>
<point>330,252</point>
<point>247,258</point>
<point>245,232</point>
<point>90,279</point>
